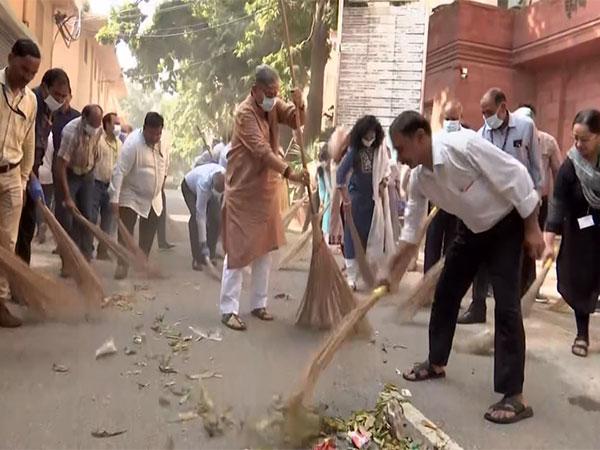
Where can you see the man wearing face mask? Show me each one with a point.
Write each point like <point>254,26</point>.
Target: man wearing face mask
<point>517,136</point>
<point>109,147</point>
<point>50,95</point>
<point>77,158</point>
<point>17,147</point>
<point>442,230</point>
<point>252,226</point>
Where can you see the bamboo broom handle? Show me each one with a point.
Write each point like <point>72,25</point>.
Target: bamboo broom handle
<point>298,125</point>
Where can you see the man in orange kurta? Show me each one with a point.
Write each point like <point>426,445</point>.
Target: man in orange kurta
<point>252,225</point>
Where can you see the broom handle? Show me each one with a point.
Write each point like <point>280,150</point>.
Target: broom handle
<point>298,125</point>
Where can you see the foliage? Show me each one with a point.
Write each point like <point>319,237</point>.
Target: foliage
<point>206,50</point>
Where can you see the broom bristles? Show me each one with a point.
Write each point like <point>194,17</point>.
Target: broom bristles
<point>529,298</point>
<point>140,260</point>
<point>211,269</point>
<point>74,262</point>
<point>294,250</point>
<point>289,214</point>
<point>47,297</point>
<point>422,293</point>
<point>359,251</point>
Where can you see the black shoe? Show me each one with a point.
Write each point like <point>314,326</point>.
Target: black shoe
<point>197,266</point>
<point>166,246</point>
<point>472,315</point>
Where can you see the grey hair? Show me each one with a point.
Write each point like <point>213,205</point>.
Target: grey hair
<point>265,75</point>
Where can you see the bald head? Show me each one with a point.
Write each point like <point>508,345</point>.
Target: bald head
<point>493,108</point>
<point>453,110</point>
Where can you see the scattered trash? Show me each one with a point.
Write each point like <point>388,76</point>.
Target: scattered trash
<point>383,348</point>
<point>283,296</point>
<point>108,348</point>
<point>107,434</point>
<point>184,399</point>
<point>164,366</point>
<point>132,373</point>
<point>142,385</point>
<point>186,416</point>
<point>398,372</point>
<point>130,351</point>
<point>164,402</point>
<point>139,339</point>
<point>122,301</point>
<point>59,368</point>
<point>204,375</point>
<point>141,287</point>
<point>405,393</point>
<point>140,364</point>
<point>429,424</point>
<point>397,346</point>
<point>211,335</point>
<point>325,444</point>
<point>360,437</point>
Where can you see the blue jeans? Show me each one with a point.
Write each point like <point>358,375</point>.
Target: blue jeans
<point>101,207</point>
<point>81,188</point>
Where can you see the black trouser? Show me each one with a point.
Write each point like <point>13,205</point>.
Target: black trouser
<point>162,221</point>
<point>26,229</point>
<point>440,234</point>
<point>500,249</point>
<point>213,223</point>
<point>147,229</point>
<point>583,325</point>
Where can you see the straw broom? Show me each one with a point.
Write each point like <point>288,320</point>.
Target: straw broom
<point>294,250</point>
<point>419,297</point>
<point>289,214</point>
<point>359,251</point>
<point>46,297</point>
<point>327,297</point>
<point>140,260</point>
<point>483,343</point>
<point>295,411</point>
<point>74,262</point>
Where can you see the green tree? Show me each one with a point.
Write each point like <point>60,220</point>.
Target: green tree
<point>205,51</point>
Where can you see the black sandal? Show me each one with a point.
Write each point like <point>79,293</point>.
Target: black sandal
<point>233,321</point>
<point>519,410</point>
<point>423,371</point>
<point>262,314</point>
<point>580,347</point>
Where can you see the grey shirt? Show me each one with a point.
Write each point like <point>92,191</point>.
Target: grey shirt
<point>519,139</point>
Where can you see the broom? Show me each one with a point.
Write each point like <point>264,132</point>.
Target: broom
<point>46,296</point>
<point>419,297</point>
<point>294,249</point>
<point>483,343</point>
<point>289,214</point>
<point>327,297</point>
<point>359,251</point>
<point>74,262</point>
<point>332,343</point>
<point>140,260</point>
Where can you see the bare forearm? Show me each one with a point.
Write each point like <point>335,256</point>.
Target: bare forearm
<point>62,175</point>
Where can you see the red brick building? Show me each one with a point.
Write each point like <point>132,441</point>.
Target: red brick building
<point>537,54</point>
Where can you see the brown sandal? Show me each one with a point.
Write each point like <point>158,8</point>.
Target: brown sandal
<point>423,371</point>
<point>580,348</point>
<point>233,321</point>
<point>262,314</point>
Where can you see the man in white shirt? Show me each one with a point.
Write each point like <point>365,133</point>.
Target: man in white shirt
<point>109,147</point>
<point>494,197</point>
<point>137,181</point>
<point>202,188</point>
<point>516,135</point>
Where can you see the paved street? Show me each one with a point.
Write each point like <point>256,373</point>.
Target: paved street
<point>44,409</point>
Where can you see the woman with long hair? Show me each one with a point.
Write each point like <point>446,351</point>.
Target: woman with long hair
<point>575,214</point>
<point>362,177</point>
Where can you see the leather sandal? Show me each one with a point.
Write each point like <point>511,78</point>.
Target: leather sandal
<point>262,314</point>
<point>233,321</point>
<point>580,347</point>
<point>423,371</point>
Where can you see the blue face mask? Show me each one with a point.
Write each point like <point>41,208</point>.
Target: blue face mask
<point>268,103</point>
<point>451,125</point>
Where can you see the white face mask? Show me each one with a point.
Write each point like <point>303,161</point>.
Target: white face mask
<point>451,125</point>
<point>494,122</point>
<point>117,130</point>
<point>367,142</point>
<point>268,103</point>
<point>52,103</point>
<point>90,130</point>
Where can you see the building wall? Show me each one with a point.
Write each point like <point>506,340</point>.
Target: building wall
<point>93,69</point>
<point>537,55</point>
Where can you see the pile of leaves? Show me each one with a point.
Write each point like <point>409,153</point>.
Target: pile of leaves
<point>372,424</point>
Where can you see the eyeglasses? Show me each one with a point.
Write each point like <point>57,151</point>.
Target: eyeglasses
<point>17,111</point>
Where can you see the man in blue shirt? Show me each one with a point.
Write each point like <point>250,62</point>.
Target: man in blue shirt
<point>517,136</point>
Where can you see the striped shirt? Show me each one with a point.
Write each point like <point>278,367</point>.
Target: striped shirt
<point>79,150</point>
